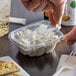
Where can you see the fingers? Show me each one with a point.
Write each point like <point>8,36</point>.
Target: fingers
<point>56,16</point>
<point>70,42</point>
<point>42,5</point>
<point>58,13</point>
<point>70,38</point>
<point>51,18</point>
<point>31,4</point>
<point>49,6</point>
<point>37,5</point>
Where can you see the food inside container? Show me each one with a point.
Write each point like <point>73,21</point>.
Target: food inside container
<point>37,38</point>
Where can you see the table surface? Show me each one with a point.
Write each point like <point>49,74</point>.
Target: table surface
<point>44,65</point>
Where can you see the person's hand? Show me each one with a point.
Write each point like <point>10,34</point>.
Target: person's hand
<point>55,8</point>
<point>56,14</point>
<point>71,36</point>
<point>37,5</point>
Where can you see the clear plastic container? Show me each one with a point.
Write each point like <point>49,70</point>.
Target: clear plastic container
<point>40,48</point>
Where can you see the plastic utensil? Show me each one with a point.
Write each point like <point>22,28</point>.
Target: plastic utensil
<point>69,64</point>
<point>17,20</point>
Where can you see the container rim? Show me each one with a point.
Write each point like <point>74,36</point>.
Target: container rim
<point>12,38</point>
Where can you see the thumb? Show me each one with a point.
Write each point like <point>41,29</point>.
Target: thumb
<point>51,18</point>
<point>56,16</point>
<point>58,13</point>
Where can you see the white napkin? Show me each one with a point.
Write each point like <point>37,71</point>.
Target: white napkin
<point>66,72</point>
